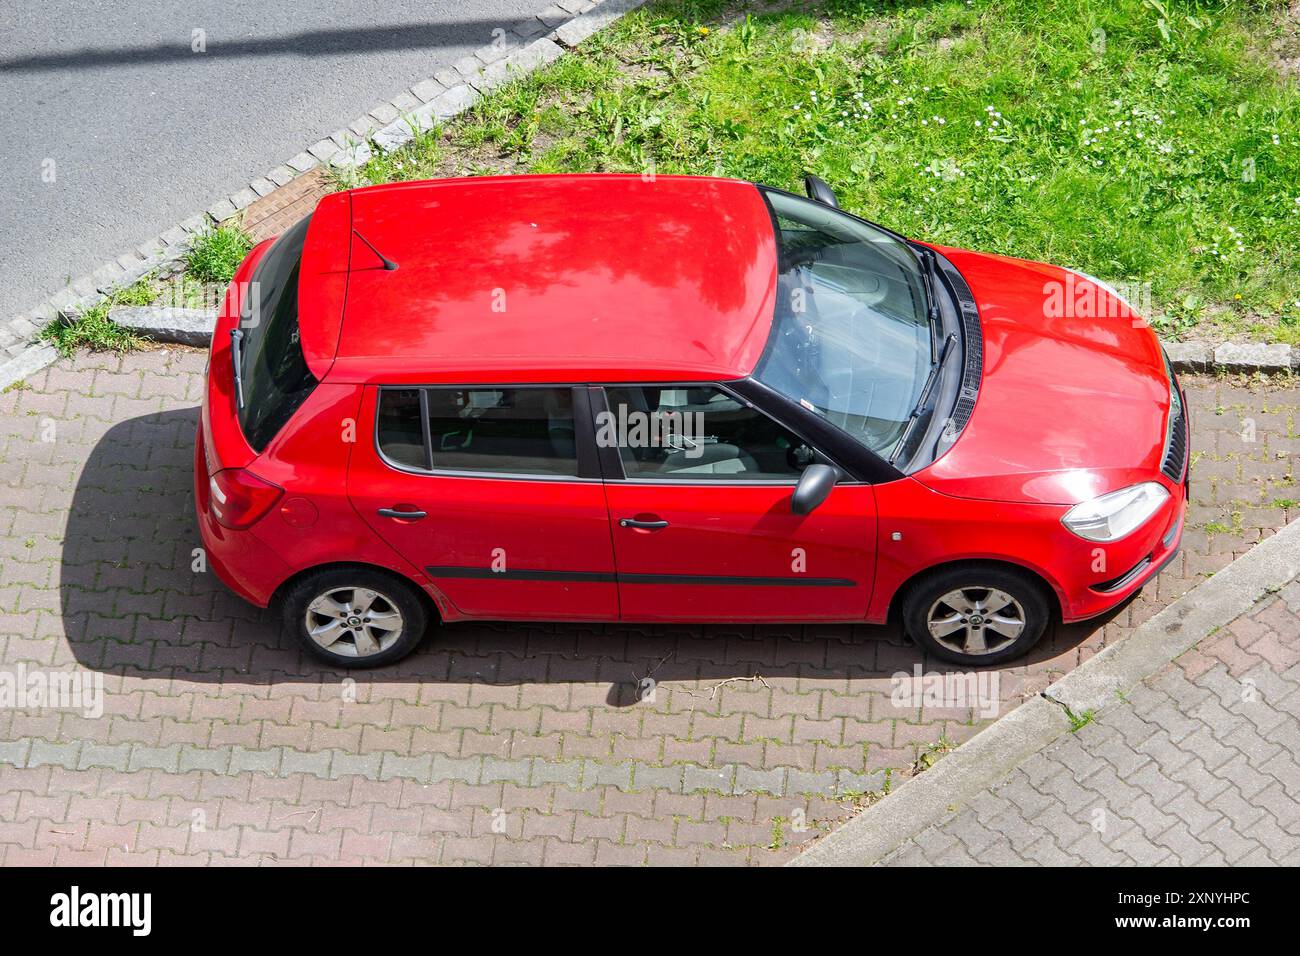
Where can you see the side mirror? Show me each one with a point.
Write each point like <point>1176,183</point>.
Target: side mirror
<point>814,487</point>
<point>818,190</point>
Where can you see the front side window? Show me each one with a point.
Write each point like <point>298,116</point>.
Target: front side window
<point>274,371</point>
<point>697,433</point>
<point>851,336</point>
<point>508,431</point>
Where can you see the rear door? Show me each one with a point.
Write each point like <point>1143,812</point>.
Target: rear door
<point>493,491</point>
<point>702,521</point>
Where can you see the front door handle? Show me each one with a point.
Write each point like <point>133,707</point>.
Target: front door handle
<point>405,515</point>
<point>648,525</point>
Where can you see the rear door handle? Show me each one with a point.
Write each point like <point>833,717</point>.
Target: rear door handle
<point>634,523</point>
<point>407,515</point>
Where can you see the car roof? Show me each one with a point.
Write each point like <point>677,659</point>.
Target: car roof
<point>539,279</point>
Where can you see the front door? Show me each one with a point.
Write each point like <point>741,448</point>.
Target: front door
<point>491,492</point>
<point>702,523</point>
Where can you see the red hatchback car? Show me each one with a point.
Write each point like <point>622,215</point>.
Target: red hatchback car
<point>602,398</point>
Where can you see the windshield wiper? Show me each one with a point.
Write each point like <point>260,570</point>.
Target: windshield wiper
<point>236,357</point>
<point>924,397</point>
<point>936,327</point>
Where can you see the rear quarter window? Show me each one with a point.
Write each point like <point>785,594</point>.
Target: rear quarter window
<point>504,431</point>
<point>275,374</point>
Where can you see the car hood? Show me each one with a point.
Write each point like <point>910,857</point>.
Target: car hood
<point>1074,393</point>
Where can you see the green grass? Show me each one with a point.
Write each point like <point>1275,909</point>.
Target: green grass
<point>1078,721</point>
<point>216,254</point>
<point>93,329</point>
<point>1141,141</point>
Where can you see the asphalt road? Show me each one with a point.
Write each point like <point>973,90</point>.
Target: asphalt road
<point>143,132</point>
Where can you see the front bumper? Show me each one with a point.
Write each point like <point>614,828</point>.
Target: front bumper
<point>1101,596</point>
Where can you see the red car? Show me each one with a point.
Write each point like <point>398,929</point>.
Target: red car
<point>602,398</point>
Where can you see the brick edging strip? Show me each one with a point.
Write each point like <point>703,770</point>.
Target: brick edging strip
<point>991,755</point>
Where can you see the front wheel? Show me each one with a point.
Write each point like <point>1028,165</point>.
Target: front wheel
<point>976,615</point>
<point>355,617</point>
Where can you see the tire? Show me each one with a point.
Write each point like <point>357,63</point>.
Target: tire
<point>393,608</point>
<point>961,603</point>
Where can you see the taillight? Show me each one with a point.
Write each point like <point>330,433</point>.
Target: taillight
<point>238,498</point>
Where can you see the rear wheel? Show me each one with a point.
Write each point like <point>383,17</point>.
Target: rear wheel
<point>976,615</point>
<point>355,617</point>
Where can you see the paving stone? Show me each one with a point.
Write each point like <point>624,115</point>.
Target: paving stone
<point>222,209</point>
<point>281,175</point>
<point>424,91</point>
<point>243,198</point>
<point>303,162</point>
<point>198,716</point>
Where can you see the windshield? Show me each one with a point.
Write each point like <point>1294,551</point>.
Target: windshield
<point>851,335</point>
<point>275,373</point>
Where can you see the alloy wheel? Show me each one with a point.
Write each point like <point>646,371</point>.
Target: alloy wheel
<point>353,622</point>
<point>975,620</point>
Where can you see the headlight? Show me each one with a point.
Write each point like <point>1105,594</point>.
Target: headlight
<point>1112,516</point>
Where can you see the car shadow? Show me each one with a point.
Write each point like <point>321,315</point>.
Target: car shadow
<point>137,600</point>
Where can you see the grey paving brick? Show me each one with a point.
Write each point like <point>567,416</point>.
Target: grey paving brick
<point>281,175</point>
<point>750,780</point>
<point>597,773</point>
<point>719,779</point>
<point>420,768</point>
<point>14,752</point>
<point>155,758</point>
<point>650,777</point>
<point>222,209</point>
<point>315,763</point>
<point>303,162</point>
<point>259,761</point>
<point>213,759</point>
<point>810,782</point>
<point>565,772</point>
<point>344,764</point>
<point>849,782</point>
<point>496,770</point>
<point>51,753</point>
<point>464,769</point>
<point>424,91</point>
<point>243,198</point>
<point>114,756</point>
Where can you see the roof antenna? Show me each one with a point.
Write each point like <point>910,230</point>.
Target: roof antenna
<point>389,264</point>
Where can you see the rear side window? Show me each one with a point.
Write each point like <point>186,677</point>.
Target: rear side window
<point>276,378</point>
<point>503,431</point>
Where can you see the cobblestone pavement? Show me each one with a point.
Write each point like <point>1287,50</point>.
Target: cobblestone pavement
<point>1199,766</point>
<point>219,742</point>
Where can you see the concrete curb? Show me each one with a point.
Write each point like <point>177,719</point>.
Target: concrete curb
<point>168,323</point>
<point>991,755</point>
<point>513,53</point>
